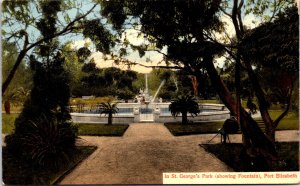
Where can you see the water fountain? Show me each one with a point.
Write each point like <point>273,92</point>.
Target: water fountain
<point>161,84</point>
<point>147,109</point>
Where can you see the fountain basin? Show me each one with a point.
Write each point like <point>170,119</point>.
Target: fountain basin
<point>153,112</point>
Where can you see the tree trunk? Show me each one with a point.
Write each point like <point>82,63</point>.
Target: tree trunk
<point>7,106</point>
<point>238,86</point>
<point>109,119</point>
<point>184,118</point>
<point>195,85</point>
<point>263,104</point>
<point>256,143</point>
<point>13,71</point>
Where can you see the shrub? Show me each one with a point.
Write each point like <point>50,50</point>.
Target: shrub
<point>47,142</point>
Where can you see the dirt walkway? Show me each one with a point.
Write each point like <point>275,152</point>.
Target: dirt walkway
<point>141,156</point>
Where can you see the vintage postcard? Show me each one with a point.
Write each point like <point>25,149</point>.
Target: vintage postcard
<point>150,92</point>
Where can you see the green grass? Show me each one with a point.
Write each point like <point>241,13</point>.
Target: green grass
<point>288,153</point>
<point>102,130</point>
<point>289,122</point>
<point>14,108</point>
<point>213,101</point>
<point>178,129</point>
<point>8,121</point>
<point>83,129</point>
<point>17,171</point>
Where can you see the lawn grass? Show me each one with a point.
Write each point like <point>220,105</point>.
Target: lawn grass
<point>288,153</point>
<point>289,122</point>
<point>19,172</point>
<point>8,121</point>
<point>102,129</point>
<point>210,101</point>
<point>14,108</point>
<point>178,129</point>
<point>83,129</point>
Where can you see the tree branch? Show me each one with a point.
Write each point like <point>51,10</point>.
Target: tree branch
<point>284,113</point>
<point>226,13</point>
<point>26,48</point>
<point>240,17</point>
<point>152,66</point>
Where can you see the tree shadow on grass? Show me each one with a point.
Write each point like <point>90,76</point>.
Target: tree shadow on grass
<point>19,172</point>
<point>230,154</point>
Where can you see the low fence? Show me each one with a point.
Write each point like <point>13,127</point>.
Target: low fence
<point>133,112</point>
<point>205,116</point>
<point>96,118</point>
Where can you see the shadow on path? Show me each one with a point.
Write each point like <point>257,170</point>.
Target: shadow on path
<point>141,156</point>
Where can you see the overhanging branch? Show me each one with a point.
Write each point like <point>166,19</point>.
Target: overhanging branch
<point>26,48</point>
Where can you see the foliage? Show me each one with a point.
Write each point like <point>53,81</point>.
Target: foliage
<point>260,8</point>
<point>48,143</point>
<point>125,94</point>
<point>182,33</point>
<point>170,87</point>
<point>43,135</point>
<point>29,24</point>
<point>99,34</point>
<point>184,104</point>
<point>22,83</point>
<point>73,67</point>
<point>109,109</point>
<point>274,52</point>
<point>16,171</point>
<point>50,93</point>
<point>106,82</point>
<point>93,101</point>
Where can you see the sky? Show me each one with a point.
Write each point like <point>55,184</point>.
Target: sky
<point>133,37</point>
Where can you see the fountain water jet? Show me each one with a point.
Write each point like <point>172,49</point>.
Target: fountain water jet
<point>146,110</point>
<point>161,84</point>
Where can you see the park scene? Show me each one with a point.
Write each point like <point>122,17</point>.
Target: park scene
<point>121,92</point>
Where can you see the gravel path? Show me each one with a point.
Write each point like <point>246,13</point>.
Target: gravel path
<point>145,152</point>
<point>148,150</point>
<point>141,156</point>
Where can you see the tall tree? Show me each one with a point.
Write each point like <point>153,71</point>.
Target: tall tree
<point>19,25</point>
<point>17,92</point>
<point>43,133</point>
<point>275,53</point>
<point>258,8</point>
<point>189,35</point>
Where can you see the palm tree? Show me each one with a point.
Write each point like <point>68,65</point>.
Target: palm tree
<point>110,109</point>
<point>184,104</point>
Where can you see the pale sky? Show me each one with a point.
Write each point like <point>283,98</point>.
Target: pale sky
<point>135,39</point>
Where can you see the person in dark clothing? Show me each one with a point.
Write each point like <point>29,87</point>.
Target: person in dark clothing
<point>230,126</point>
